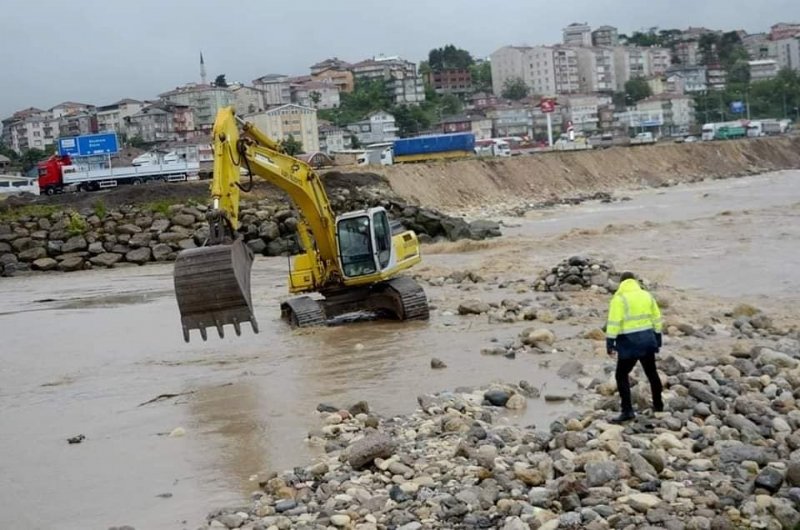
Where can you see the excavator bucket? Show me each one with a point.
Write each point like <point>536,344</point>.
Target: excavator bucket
<point>212,285</point>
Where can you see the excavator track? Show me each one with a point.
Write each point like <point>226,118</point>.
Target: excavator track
<point>303,312</point>
<point>412,303</point>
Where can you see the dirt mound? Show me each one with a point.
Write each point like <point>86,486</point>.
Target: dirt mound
<point>471,184</point>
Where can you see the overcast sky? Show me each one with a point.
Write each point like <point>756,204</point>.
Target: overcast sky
<point>99,51</point>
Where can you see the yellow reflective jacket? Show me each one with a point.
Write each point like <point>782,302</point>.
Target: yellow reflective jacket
<point>634,321</point>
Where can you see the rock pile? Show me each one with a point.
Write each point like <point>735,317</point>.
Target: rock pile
<point>725,455</point>
<point>51,239</point>
<point>578,273</point>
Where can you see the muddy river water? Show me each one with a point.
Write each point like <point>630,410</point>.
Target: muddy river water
<point>83,353</point>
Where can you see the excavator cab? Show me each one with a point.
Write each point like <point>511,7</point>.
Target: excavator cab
<point>365,242</point>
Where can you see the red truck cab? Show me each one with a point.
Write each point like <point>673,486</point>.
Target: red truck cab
<point>50,175</point>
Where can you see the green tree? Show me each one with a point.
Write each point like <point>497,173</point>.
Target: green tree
<point>636,90</point>
<point>315,97</point>
<point>449,57</point>
<point>292,146</point>
<point>31,157</point>
<point>137,142</point>
<point>450,104</point>
<point>739,73</point>
<point>481,76</point>
<point>8,152</point>
<point>220,81</point>
<point>515,89</point>
<point>413,119</point>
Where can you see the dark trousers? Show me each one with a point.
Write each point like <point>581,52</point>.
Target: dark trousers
<point>624,367</point>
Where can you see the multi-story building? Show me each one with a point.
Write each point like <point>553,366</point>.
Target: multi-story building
<point>583,111</point>
<point>658,61</point>
<point>205,101</point>
<point>77,124</point>
<point>276,87</point>
<point>378,127</point>
<point>629,62</point>
<point>534,65</point>
<point>295,120</point>
<point>402,81</point>
<point>511,120</point>
<point>717,77</point>
<point>247,99</point>
<point>783,30</point>
<point>686,79</point>
<point>759,46</point>
<point>333,139</point>
<point>477,124</point>
<point>316,95</point>
<point>565,67</point>
<point>787,53</point>
<point>112,117</point>
<point>605,36</point>
<point>763,69</point>
<point>481,100</point>
<point>687,53</point>
<point>450,81</point>
<point>539,120</point>
<point>162,122</point>
<point>577,34</point>
<point>596,69</point>
<point>333,63</point>
<point>341,78</point>
<point>70,108</point>
<point>31,128</point>
<point>678,115</point>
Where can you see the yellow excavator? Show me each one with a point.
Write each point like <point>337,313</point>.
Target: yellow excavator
<point>352,260</point>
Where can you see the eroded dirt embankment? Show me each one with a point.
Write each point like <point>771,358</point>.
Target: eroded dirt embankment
<point>469,184</point>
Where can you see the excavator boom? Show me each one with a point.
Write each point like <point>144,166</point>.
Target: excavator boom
<point>352,260</point>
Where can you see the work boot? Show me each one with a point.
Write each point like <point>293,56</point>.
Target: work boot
<point>625,416</point>
<point>658,407</point>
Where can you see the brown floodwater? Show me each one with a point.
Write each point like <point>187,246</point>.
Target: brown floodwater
<point>82,353</point>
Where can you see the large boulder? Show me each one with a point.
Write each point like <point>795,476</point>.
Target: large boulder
<point>483,229</point>
<point>269,230</point>
<point>106,259</point>
<point>456,228</point>
<point>128,229</point>
<point>162,252</point>
<point>71,264</point>
<point>139,256</point>
<point>184,219</point>
<point>44,264</point>
<point>74,244</point>
<point>22,243</point>
<point>159,225</point>
<point>362,453</point>
<point>141,239</point>
<point>32,254</point>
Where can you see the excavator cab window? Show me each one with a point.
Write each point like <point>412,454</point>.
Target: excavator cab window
<point>355,246</point>
<point>383,238</point>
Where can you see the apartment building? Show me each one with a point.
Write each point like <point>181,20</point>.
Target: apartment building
<point>77,124</point>
<point>577,34</point>
<point>247,99</point>
<point>113,117</point>
<point>378,127</point>
<point>334,63</point>
<point>565,66</point>
<point>70,108</point>
<point>534,65</point>
<point>450,81</point>
<point>162,122</point>
<point>477,124</point>
<point>400,76</point>
<point>298,121</point>
<point>204,100</point>
<point>30,128</point>
<point>333,139</point>
<point>687,53</point>
<point>784,30</point>
<point>677,112</point>
<point>787,53</point>
<point>686,79</point>
<point>596,69</point>
<point>629,63</point>
<point>763,69</point>
<point>658,61</point>
<point>341,78</point>
<point>276,88</point>
<point>605,36</point>
<point>583,111</point>
<point>316,95</point>
<point>511,120</point>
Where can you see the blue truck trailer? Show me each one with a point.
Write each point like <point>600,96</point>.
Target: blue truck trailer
<point>434,147</point>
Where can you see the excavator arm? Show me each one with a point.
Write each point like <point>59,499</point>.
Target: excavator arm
<point>212,283</point>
